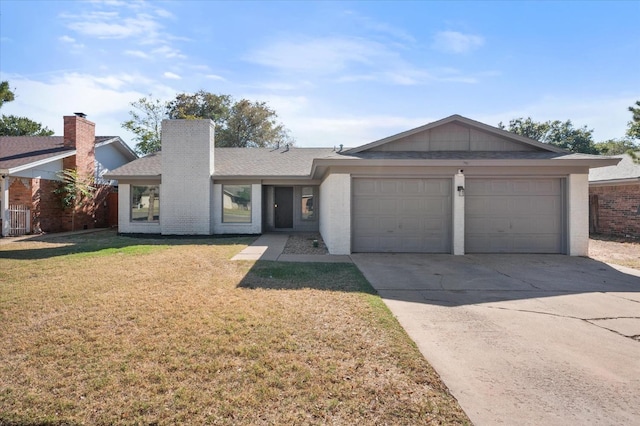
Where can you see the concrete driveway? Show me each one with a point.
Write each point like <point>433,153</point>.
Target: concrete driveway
<point>521,339</point>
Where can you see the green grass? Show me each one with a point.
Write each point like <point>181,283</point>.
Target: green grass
<point>103,329</point>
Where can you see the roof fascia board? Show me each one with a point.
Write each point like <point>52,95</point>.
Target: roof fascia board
<point>609,182</point>
<point>131,177</point>
<point>591,162</point>
<point>122,146</point>
<point>464,120</point>
<point>41,162</point>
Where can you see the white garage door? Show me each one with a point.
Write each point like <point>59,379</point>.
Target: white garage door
<point>514,216</point>
<point>402,215</point>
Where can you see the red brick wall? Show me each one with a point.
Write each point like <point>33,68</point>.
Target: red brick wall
<point>617,211</point>
<point>19,194</point>
<point>47,214</point>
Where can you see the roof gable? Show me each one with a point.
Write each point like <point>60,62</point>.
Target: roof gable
<point>456,133</point>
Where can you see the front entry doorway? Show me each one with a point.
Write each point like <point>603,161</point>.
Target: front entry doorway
<point>283,207</point>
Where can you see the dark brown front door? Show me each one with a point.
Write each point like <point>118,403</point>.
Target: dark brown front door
<point>284,207</point>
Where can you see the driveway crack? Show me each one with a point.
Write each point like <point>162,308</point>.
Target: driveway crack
<point>587,320</point>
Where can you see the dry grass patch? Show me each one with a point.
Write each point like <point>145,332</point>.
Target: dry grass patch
<point>618,250</point>
<point>105,329</point>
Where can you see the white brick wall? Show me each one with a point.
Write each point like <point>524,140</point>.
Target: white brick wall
<point>187,167</point>
<point>578,214</point>
<point>124,215</point>
<point>255,227</point>
<point>335,213</point>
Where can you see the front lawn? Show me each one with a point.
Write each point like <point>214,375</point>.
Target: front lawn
<point>103,329</point>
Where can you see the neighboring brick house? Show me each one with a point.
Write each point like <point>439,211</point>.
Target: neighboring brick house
<point>29,168</point>
<point>614,198</point>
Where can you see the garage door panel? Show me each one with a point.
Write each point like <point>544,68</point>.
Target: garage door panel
<point>514,215</point>
<point>402,215</point>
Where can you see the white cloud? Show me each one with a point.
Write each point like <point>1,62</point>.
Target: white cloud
<point>313,131</point>
<point>67,39</point>
<point>368,23</point>
<point>168,52</point>
<point>171,76</point>
<point>215,77</point>
<point>137,54</point>
<point>316,55</point>
<point>456,42</point>
<point>607,116</point>
<point>163,13</point>
<point>105,99</point>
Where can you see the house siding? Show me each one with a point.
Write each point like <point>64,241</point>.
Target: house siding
<point>335,212</point>
<point>616,209</point>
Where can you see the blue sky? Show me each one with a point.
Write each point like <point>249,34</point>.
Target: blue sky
<point>336,72</point>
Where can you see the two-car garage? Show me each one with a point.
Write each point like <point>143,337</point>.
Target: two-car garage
<point>501,215</point>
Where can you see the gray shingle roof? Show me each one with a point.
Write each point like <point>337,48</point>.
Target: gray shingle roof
<point>17,151</point>
<point>230,162</point>
<point>147,166</point>
<point>297,162</point>
<point>626,169</point>
<point>267,161</point>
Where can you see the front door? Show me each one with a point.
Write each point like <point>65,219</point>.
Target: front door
<point>283,207</point>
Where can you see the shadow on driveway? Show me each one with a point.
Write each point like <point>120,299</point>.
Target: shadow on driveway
<point>448,280</point>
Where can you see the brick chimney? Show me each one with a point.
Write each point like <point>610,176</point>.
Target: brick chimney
<point>80,133</point>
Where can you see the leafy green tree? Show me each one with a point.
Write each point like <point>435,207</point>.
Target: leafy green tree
<point>241,124</point>
<point>201,105</point>
<point>11,125</point>
<point>146,124</point>
<point>616,146</point>
<point>633,131</point>
<point>253,124</point>
<point>6,95</point>
<point>557,133</point>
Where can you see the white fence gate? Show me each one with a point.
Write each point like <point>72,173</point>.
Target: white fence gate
<point>19,220</point>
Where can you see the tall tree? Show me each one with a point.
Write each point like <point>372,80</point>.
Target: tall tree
<point>145,123</point>
<point>253,124</point>
<point>201,105</point>
<point>242,124</point>
<point>556,133</point>
<point>11,125</point>
<point>633,131</point>
<point>616,146</point>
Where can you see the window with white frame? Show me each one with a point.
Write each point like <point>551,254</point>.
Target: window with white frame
<point>145,203</point>
<point>236,203</point>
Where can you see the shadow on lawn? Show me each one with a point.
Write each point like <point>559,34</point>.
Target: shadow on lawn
<point>108,241</point>
<point>343,277</point>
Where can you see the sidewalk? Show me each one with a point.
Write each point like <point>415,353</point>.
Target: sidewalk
<point>271,246</point>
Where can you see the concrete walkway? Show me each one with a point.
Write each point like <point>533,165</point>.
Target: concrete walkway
<point>521,339</point>
<point>271,246</point>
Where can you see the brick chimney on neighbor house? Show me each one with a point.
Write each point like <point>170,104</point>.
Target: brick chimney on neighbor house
<point>80,134</point>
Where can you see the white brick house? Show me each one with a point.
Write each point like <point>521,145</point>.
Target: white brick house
<point>453,186</point>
